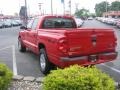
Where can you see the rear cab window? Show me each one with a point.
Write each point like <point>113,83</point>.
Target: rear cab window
<point>56,22</point>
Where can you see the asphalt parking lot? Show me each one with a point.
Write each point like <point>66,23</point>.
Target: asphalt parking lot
<point>20,63</point>
<point>27,63</point>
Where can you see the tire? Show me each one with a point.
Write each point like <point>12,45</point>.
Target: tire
<point>45,64</point>
<point>20,46</point>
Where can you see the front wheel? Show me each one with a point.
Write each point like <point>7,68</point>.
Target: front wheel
<point>20,46</point>
<point>45,64</point>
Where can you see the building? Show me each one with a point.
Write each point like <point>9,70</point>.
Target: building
<point>114,14</point>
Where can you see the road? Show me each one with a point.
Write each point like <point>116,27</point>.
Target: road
<point>27,63</point>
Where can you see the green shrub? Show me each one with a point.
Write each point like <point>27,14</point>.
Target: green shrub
<point>78,78</point>
<point>5,77</point>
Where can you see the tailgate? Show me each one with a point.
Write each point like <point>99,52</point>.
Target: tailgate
<point>90,41</point>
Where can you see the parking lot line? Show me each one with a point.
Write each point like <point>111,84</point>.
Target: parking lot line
<point>14,61</point>
<point>114,69</point>
<point>14,58</point>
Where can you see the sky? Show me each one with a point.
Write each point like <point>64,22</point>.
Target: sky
<point>10,7</point>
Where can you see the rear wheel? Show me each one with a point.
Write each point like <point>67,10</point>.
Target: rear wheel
<point>20,46</point>
<point>45,64</point>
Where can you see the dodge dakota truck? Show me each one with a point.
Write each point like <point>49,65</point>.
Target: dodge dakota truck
<point>58,42</point>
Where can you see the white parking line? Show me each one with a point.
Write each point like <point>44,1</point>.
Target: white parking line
<point>14,58</point>
<point>114,69</point>
<point>14,61</point>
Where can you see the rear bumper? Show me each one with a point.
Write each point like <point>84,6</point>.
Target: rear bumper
<point>73,58</point>
<point>84,60</point>
<point>111,55</point>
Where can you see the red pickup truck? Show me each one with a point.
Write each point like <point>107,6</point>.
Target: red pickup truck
<point>58,42</point>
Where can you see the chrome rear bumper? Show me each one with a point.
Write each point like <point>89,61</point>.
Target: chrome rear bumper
<point>86,57</point>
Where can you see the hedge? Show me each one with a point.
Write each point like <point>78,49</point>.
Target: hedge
<point>78,78</point>
<point>5,77</point>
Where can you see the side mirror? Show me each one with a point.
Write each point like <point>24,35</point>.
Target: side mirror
<point>23,27</point>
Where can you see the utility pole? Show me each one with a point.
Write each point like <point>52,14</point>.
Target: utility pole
<point>69,6</point>
<point>106,7</point>
<point>51,7</point>
<point>26,16</point>
<point>40,5</point>
<point>63,2</point>
<point>26,8</point>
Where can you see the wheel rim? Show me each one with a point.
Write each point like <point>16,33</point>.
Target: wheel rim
<point>42,62</point>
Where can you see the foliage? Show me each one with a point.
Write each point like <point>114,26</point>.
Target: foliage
<point>101,7</point>
<point>78,78</point>
<point>5,77</point>
<point>115,6</point>
<point>83,13</point>
<point>104,6</point>
<point>92,15</point>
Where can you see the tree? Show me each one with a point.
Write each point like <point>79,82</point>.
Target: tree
<point>102,7</point>
<point>115,6</point>
<point>83,13</point>
<point>92,15</point>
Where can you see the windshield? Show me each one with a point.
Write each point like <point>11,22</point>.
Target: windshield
<point>59,23</point>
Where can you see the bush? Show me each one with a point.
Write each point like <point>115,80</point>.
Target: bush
<point>5,77</point>
<point>78,78</point>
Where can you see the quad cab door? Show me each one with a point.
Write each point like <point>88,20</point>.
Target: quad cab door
<point>31,34</point>
<point>26,32</point>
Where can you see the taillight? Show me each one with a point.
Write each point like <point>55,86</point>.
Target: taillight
<point>62,45</point>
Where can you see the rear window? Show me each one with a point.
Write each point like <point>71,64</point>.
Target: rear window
<point>59,23</point>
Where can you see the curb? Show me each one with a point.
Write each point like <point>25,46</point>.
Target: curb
<point>40,80</point>
<point>27,78</point>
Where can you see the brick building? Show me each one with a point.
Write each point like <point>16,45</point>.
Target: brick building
<point>112,14</point>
